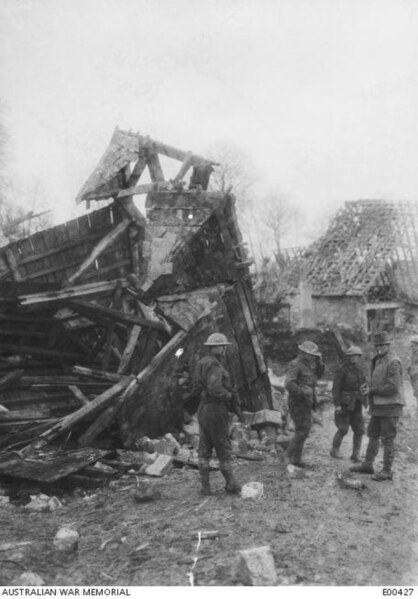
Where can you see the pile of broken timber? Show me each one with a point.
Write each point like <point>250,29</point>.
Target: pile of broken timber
<point>70,357</point>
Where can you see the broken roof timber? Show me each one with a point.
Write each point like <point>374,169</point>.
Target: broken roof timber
<point>370,244</point>
<point>112,174</point>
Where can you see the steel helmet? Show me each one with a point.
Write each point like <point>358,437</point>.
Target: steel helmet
<point>354,351</point>
<point>309,347</point>
<point>414,339</point>
<point>217,339</point>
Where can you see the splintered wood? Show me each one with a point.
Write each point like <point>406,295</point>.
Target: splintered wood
<point>94,312</point>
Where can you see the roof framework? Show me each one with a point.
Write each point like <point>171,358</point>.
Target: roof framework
<point>370,245</point>
<point>126,158</point>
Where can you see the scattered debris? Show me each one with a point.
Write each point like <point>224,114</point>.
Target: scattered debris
<point>66,539</point>
<point>252,490</point>
<point>161,466</point>
<point>347,481</point>
<point>256,567</point>
<point>29,579</point>
<point>295,471</point>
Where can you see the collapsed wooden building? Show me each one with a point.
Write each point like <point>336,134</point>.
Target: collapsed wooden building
<point>361,274</point>
<point>103,317</point>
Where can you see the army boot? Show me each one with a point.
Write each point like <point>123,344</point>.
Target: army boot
<point>355,456</point>
<point>232,486</point>
<point>336,443</point>
<point>386,472</point>
<point>366,467</point>
<point>204,478</point>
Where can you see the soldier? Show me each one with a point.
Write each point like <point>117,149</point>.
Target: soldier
<point>413,365</point>
<point>300,382</point>
<point>349,392</point>
<point>386,401</point>
<point>214,384</point>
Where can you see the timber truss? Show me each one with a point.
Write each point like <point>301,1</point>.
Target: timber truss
<point>370,250</point>
<point>125,160</point>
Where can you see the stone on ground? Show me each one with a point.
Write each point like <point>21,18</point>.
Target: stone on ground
<point>252,490</point>
<point>66,539</point>
<point>29,579</point>
<point>256,567</point>
<point>161,466</point>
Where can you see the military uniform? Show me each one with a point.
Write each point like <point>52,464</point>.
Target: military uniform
<point>213,382</point>
<point>347,396</point>
<point>413,374</point>
<point>300,382</point>
<point>386,402</point>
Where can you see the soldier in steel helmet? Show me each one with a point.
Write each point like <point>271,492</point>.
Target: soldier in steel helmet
<point>300,382</point>
<point>386,402</point>
<point>213,382</point>
<point>349,392</point>
<point>413,365</point>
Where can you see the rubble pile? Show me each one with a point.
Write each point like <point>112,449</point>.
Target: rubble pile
<point>103,318</point>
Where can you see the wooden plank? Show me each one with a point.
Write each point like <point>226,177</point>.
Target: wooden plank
<point>251,329</point>
<point>97,374</point>
<point>142,377</point>
<point>187,163</point>
<point>50,468</point>
<point>108,240</point>
<point>116,305</point>
<point>79,395</point>
<point>11,378</point>
<point>115,316</point>
<point>98,288</point>
<point>13,265</point>
<point>101,423</point>
<point>145,188</point>
<point>129,349</point>
<point>38,351</point>
<point>88,411</point>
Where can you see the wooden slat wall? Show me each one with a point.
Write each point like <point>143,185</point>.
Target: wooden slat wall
<point>53,255</point>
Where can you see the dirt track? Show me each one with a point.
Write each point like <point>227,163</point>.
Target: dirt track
<point>320,534</point>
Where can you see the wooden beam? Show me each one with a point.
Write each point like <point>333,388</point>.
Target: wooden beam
<point>251,329</point>
<point>113,315</point>
<point>187,163</point>
<point>88,411</point>
<point>116,305</point>
<point>97,374</point>
<point>101,423</point>
<point>103,244</point>
<point>71,292</point>
<point>33,350</point>
<point>79,395</point>
<point>138,169</point>
<point>13,265</point>
<point>155,169</point>
<point>10,378</point>
<point>129,349</point>
<point>145,188</point>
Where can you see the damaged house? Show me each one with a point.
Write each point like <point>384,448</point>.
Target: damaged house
<point>360,276</point>
<point>103,317</point>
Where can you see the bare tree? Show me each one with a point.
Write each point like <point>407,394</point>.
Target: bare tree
<point>22,211</point>
<point>235,174</point>
<point>279,217</point>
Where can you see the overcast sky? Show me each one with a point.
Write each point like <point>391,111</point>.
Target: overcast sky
<point>322,94</point>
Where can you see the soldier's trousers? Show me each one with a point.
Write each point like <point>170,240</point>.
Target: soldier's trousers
<point>301,416</point>
<point>382,428</point>
<point>344,420</point>
<point>214,432</point>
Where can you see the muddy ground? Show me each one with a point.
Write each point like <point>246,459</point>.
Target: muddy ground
<point>320,533</point>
